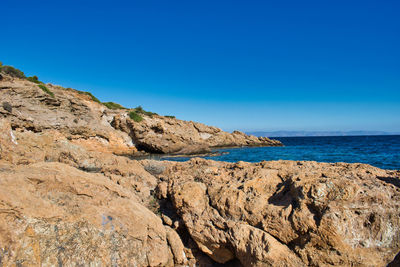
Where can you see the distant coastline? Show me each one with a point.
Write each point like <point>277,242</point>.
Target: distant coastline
<point>318,133</point>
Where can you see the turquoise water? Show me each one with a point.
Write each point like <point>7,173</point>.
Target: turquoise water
<point>379,151</point>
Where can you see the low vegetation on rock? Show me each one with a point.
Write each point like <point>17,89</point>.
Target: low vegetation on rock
<point>134,116</point>
<point>95,99</point>
<point>112,105</point>
<point>13,72</point>
<point>34,79</point>
<point>137,114</point>
<point>140,110</point>
<point>46,90</point>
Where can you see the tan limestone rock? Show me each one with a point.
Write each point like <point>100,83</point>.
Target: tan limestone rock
<point>176,245</point>
<point>317,214</point>
<point>52,214</point>
<point>8,141</point>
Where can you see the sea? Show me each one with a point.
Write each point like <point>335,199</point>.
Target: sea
<point>382,151</point>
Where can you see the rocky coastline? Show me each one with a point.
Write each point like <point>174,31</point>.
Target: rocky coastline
<point>69,195</point>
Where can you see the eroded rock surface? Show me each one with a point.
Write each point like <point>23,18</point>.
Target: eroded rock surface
<point>64,205</point>
<point>172,136</point>
<point>8,140</point>
<point>74,116</point>
<point>287,213</point>
<point>92,125</point>
<point>67,199</point>
<point>52,214</point>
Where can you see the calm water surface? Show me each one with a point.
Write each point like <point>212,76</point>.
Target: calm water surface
<point>380,151</point>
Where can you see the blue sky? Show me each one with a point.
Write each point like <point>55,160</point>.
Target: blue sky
<point>249,65</point>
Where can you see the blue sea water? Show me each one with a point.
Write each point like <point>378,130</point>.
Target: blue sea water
<point>380,151</point>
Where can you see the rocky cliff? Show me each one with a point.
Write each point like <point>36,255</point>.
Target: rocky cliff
<point>76,116</point>
<point>67,198</point>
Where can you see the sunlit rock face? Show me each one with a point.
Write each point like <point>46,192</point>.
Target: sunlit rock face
<point>158,134</point>
<point>67,199</point>
<point>77,117</point>
<point>286,213</point>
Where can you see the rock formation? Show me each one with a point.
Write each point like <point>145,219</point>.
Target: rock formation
<point>285,213</point>
<point>72,115</point>
<point>89,123</point>
<point>168,135</point>
<point>68,197</point>
<point>53,214</point>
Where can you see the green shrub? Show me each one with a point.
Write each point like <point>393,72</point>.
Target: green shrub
<point>171,117</point>
<point>134,116</point>
<point>34,79</point>
<point>46,90</point>
<point>95,99</point>
<point>12,72</point>
<point>112,105</point>
<point>140,110</point>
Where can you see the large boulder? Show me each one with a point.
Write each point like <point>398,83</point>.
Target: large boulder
<point>287,213</point>
<point>52,214</point>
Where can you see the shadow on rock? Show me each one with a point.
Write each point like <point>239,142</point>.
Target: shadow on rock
<point>390,180</point>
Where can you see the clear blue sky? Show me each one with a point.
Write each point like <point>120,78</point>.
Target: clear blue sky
<point>249,65</point>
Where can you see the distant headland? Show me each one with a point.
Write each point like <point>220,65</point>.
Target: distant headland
<point>318,133</point>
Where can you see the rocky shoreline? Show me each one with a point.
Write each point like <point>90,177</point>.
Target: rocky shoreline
<point>76,116</point>
<point>69,197</point>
